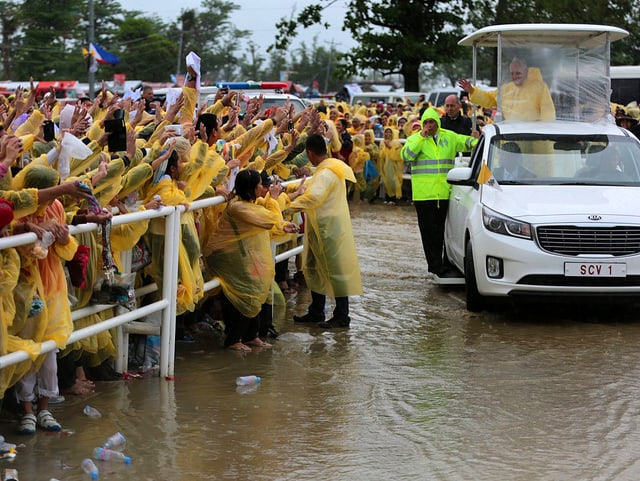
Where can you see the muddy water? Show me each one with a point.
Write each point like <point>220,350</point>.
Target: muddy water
<point>417,389</point>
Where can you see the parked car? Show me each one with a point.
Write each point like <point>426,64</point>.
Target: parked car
<point>271,99</point>
<point>394,97</point>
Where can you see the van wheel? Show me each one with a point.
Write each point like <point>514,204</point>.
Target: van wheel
<point>475,301</point>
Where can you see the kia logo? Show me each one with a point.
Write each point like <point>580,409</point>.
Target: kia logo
<point>594,217</point>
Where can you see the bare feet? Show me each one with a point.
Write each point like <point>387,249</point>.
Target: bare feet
<point>80,388</point>
<point>258,343</point>
<point>238,346</point>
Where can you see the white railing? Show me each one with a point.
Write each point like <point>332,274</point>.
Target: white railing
<point>125,322</point>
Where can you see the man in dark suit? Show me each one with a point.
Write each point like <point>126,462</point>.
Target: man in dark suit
<point>453,119</point>
<point>510,166</point>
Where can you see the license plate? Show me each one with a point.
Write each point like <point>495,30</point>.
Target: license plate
<point>594,269</point>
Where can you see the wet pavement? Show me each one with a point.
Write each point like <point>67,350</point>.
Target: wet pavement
<point>418,388</point>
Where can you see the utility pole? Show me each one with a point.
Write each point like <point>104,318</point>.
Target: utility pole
<point>92,73</point>
<point>180,48</point>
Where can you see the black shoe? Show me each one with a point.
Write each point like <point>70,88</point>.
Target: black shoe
<point>272,332</point>
<point>334,322</point>
<point>308,318</point>
<point>448,274</point>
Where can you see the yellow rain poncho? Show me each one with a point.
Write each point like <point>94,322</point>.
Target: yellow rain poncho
<point>392,163</point>
<point>240,254</point>
<point>329,258</point>
<point>42,277</point>
<point>529,101</point>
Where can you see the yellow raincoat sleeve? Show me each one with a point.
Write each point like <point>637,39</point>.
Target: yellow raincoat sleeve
<point>155,136</point>
<point>109,186</point>
<point>216,109</point>
<point>274,159</point>
<point>188,109</point>
<point>134,179</point>
<point>202,168</point>
<point>237,131</point>
<point>96,129</point>
<point>252,138</point>
<point>484,98</point>
<point>79,166</point>
<point>31,125</point>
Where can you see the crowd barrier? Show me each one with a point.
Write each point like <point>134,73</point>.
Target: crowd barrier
<point>125,321</point>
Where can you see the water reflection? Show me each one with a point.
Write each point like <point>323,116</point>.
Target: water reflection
<point>418,388</point>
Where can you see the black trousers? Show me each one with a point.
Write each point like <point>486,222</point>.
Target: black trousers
<point>282,271</point>
<point>237,326</point>
<point>318,302</point>
<point>431,218</point>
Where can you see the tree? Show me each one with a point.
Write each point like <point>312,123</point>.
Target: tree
<point>145,52</point>
<point>47,27</point>
<point>392,36</point>
<point>251,66</point>
<point>210,34</point>
<point>620,13</point>
<point>10,24</point>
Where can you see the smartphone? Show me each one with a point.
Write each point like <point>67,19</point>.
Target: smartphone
<point>290,125</point>
<point>48,130</point>
<point>117,141</point>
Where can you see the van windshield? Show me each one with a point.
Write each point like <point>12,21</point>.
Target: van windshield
<point>565,160</point>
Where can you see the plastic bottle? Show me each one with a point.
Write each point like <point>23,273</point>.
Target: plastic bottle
<point>104,454</point>
<point>91,412</point>
<point>115,442</point>
<point>89,467</point>
<point>247,380</point>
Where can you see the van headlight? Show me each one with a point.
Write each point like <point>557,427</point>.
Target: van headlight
<point>501,224</point>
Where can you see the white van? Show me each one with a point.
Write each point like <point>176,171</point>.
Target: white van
<point>625,84</point>
<point>437,96</point>
<point>366,98</point>
<point>271,99</point>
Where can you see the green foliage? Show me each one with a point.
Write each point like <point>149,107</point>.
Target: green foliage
<point>145,53</point>
<point>392,36</point>
<point>417,39</point>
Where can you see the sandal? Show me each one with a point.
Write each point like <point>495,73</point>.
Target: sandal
<point>47,422</point>
<point>27,424</point>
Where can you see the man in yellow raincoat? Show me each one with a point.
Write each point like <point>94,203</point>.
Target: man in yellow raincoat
<point>526,97</point>
<point>329,259</point>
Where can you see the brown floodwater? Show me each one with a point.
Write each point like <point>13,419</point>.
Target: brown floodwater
<point>417,389</point>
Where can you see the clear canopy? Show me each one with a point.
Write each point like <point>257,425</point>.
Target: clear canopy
<point>572,60</point>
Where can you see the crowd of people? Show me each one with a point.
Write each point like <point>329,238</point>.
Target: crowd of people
<point>61,165</point>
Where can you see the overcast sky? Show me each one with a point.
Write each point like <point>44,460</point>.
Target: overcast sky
<point>260,17</point>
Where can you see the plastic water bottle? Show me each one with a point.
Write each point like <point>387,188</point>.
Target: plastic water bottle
<point>91,412</point>
<point>104,454</point>
<point>247,380</point>
<point>115,442</point>
<point>89,467</point>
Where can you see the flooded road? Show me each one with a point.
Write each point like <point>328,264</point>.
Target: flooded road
<point>417,389</point>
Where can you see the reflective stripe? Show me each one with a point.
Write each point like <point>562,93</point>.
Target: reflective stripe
<point>424,162</point>
<point>426,170</point>
<point>407,153</point>
<point>469,142</point>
